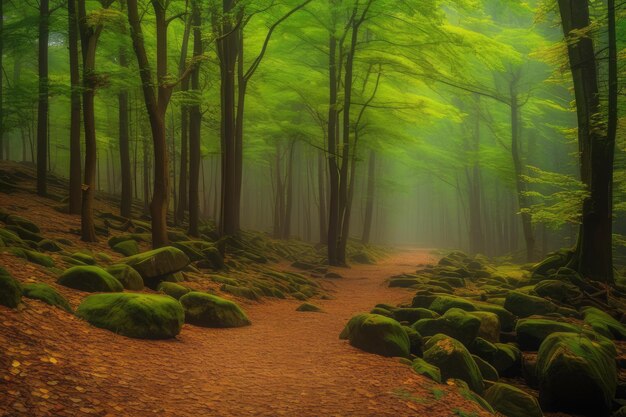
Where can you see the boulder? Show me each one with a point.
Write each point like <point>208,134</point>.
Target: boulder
<point>453,360</point>
<point>489,325</point>
<point>512,402</point>
<point>25,234</point>
<point>158,262</point>
<point>10,238</point>
<point>10,290</point>
<point>507,359</point>
<point>127,248</point>
<point>557,290</point>
<point>415,338</point>
<point>208,310</point>
<point>483,348</point>
<point>488,372</point>
<point>576,374</point>
<point>420,366</point>
<point>531,332</point>
<point>172,289</point>
<point>308,307</point>
<point>507,319</point>
<point>49,245</point>
<point>377,334</point>
<point>604,324</point>
<point>90,279</point>
<point>85,258</point>
<point>455,323</point>
<point>47,294</point>
<point>524,305</point>
<point>34,257</point>
<point>127,276</point>
<point>142,316</point>
<point>23,223</point>
<point>411,315</point>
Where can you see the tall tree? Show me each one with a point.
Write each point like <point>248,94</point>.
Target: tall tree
<point>75,155</point>
<point>43,100</point>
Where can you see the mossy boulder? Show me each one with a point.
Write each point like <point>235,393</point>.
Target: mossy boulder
<point>507,359</point>
<point>420,366</point>
<point>242,291</point>
<point>308,307</point>
<point>531,332</point>
<point>512,402</point>
<point>442,303</point>
<point>23,223</point>
<point>524,305</point>
<point>416,340</point>
<point>453,360</point>
<point>507,319</point>
<point>557,290</point>
<point>172,289</point>
<point>483,348</point>
<point>411,315</point>
<point>34,257</point>
<point>142,316</point>
<point>25,234</point>
<point>90,279</point>
<point>127,276</point>
<point>489,325</point>
<point>377,334</point>
<point>604,324</point>
<point>10,290</point>
<point>49,245</point>
<point>455,323</point>
<point>85,258</point>
<point>47,294</point>
<point>208,310</point>
<point>158,262</point>
<point>486,369</point>
<point>576,374</point>
<point>10,238</point>
<point>127,248</point>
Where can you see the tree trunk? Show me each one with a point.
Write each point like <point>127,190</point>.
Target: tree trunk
<point>75,198</point>
<point>183,196</point>
<point>333,169</point>
<point>42,108</point>
<point>369,199</point>
<point>286,229</point>
<point>2,124</point>
<point>127,186</point>
<point>195,121</point>
<point>593,256</point>
<point>321,190</point>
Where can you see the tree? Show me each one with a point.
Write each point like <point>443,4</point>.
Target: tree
<point>195,122</point>
<point>42,108</point>
<point>75,199</point>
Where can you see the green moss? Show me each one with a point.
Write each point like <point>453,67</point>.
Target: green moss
<point>34,257</point>
<point>127,276</point>
<point>49,245</point>
<point>84,258</point>
<point>524,305</point>
<point>47,294</point>
<point>141,316</point>
<point>23,223</point>
<point>420,366</point>
<point>532,332</point>
<point>224,280</point>
<point>25,234</point>
<point>507,319</point>
<point>172,289</point>
<point>127,248</point>
<point>308,308</point>
<point>487,371</point>
<point>455,323</point>
<point>377,334</point>
<point>10,238</point>
<point>10,291</point>
<point>489,325</point>
<point>244,292</point>
<point>90,279</point>
<point>208,310</point>
<point>512,402</point>
<point>412,315</point>
<point>507,359</point>
<point>604,324</point>
<point>158,262</point>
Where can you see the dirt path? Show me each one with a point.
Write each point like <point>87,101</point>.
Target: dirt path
<point>287,363</point>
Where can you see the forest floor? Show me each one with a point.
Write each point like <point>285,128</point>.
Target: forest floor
<point>286,363</point>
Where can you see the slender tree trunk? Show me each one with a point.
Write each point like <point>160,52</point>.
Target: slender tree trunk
<point>333,169</point>
<point>286,232</point>
<point>2,124</point>
<point>195,121</point>
<point>593,256</point>
<point>75,198</point>
<point>127,186</point>
<point>369,199</point>
<point>183,196</point>
<point>476,236</point>
<point>42,108</point>
<point>279,195</point>
<point>321,190</point>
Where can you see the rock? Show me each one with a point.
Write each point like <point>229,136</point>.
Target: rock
<point>214,257</point>
<point>382,312</point>
<point>25,234</point>
<point>415,339</point>
<point>507,319</point>
<point>10,290</point>
<point>308,308</point>
<point>483,348</point>
<point>532,332</point>
<point>455,323</point>
<point>49,245</point>
<point>557,290</point>
<point>142,316</point>
<point>465,392</point>
<point>552,262</point>
<point>604,324</point>
<point>10,238</point>
<point>245,292</point>
<point>524,305</point>
<point>90,279</point>
<point>377,334</point>
<point>127,248</point>
<point>34,257</point>
<point>486,370</point>
<point>512,402</point>
<point>362,258</point>
<point>453,360</point>
<point>489,325</point>
<point>576,374</point>
<point>404,282</point>
<point>441,303</point>
<point>411,315</point>
<point>23,223</point>
<point>127,276</point>
<point>158,262</point>
<point>420,366</point>
<point>507,359</point>
<point>208,310</point>
<point>84,258</point>
<point>172,289</point>
<point>47,294</point>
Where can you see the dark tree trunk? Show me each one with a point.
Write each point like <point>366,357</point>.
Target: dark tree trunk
<point>321,190</point>
<point>2,124</point>
<point>333,169</point>
<point>286,229</point>
<point>75,198</point>
<point>369,199</point>
<point>127,186</point>
<point>183,196</point>
<point>593,256</point>
<point>195,121</point>
<point>42,108</point>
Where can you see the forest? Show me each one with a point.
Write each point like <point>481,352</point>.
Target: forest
<point>313,208</point>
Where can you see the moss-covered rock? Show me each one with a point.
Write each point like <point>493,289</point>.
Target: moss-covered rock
<point>49,245</point>
<point>90,278</point>
<point>241,291</point>
<point>487,371</point>
<point>142,316</point>
<point>512,402</point>
<point>411,315</point>
<point>34,257</point>
<point>483,348</point>
<point>453,360</point>
<point>85,258</point>
<point>465,391</point>
<point>507,319</point>
<point>47,294</point>
<point>420,366</point>
<point>208,310</point>
<point>172,289</point>
<point>158,262</point>
<point>455,323</point>
<point>10,238</point>
<point>489,325</point>
<point>416,340</point>
<point>524,305</point>
<point>604,324</point>
<point>25,234</point>
<point>127,276</point>
<point>507,359</point>
<point>442,303</point>
<point>377,334</point>
<point>23,223</point>
<point>127,248</point>
<point>531,332</point>
<point>576,374</point>
<point>308,307</point>
<point>557,290</point>
<point>10,290</point>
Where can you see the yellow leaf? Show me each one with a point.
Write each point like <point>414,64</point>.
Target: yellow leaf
<point>15,364</point>
<point>53,360</point>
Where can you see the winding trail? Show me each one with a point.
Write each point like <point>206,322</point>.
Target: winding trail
<point>287,363</point>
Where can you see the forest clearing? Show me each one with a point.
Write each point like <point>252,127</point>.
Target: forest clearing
<point>312,208</point>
